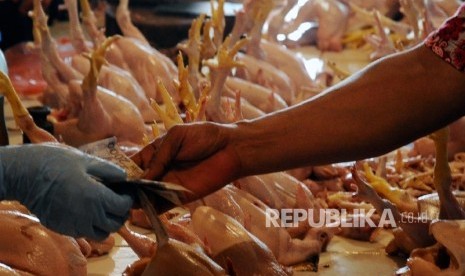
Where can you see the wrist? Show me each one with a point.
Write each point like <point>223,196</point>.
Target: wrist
<point>253,146</point>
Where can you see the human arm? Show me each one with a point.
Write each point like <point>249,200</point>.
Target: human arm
<point>388,104</point>
<point>58,184</point>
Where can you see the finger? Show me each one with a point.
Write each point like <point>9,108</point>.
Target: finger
<point>104,222</point>
<point>109,225</point>
<point>145,156</point>
<point>98,234</point>
<point>114,204</point>
<point>166,153</point>
<point>200,179</point>
<point>105,170</point>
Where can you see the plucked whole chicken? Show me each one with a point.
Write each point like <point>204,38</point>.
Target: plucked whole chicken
<point>28,248</point>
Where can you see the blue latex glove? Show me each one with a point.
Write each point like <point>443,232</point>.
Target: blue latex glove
<point>56,184</point>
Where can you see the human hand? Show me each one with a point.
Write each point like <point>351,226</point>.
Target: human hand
<point>57,184</point>
<point>199,156</point>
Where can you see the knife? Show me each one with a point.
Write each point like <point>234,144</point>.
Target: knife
<point>157,226</point>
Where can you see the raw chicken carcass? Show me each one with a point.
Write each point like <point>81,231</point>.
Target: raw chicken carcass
<point>412,234</point>
<point>176,258</point>
<point>448,6</point>
<point>385,7</point>
<point>103,115</point>
<point>267,75</point>
<point>289,62</point>
<point>122,83</point>
<point>96,112</point>
<point>123,18</point>
<point>232,246</point>
<point>442,230</point>
<point>288,251</point>
<point>257,95</point>
<point>28,248</point>
<point>331,17</point>
<point>111,77</point>
<point>145,63</point>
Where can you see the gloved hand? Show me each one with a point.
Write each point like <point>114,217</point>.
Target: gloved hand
<point>57,184</point>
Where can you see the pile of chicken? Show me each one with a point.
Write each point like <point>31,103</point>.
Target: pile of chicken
<point>121,86</point>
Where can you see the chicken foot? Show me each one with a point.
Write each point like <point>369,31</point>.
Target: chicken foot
<point>418,232</point>
<point>221,68</point>
<point>90,23</point>
<point>76,33</point>
<point>123,17</point>
<point>21,114</point>
<point>449,206</point>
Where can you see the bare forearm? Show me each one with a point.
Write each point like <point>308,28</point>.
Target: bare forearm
<point>385,106</point>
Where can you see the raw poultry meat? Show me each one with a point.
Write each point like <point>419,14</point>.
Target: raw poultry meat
<point>363,17</point>
<point>265,74</point>
<point>21,115</point>
<point>381,43</point>
<point>278,190</point>
<point>147,66</point>
<point>332,19</point>
<point>404,201</point>
<point>91,248</point>
<point>96,113</point>
<point>410,235</point>
<point>28,248</point>
<point>76,34</point>
<point>288,251</point>
<point>177,258</point>
<point>428,261</point>
<point>259,96</point>
<point>123,18</point>
<point>122,83</point>
<point>233,247</point>
<point>448,6</point>
<point>276,19</point>
<point>237,108</point>
<point>329,16</point>
<point>449,208</point>
<point>289,62</point>
<point>89,21</point>
<point>220,67</point>
<point>263,61</point>
<point>111,77</point>
<point>142,245</point>
<point>103,114</point>
<point>386,7</point>
<point>145,63</point>
<point>424,146</point>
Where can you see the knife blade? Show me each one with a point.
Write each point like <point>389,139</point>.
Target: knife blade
<point>151,212</point>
